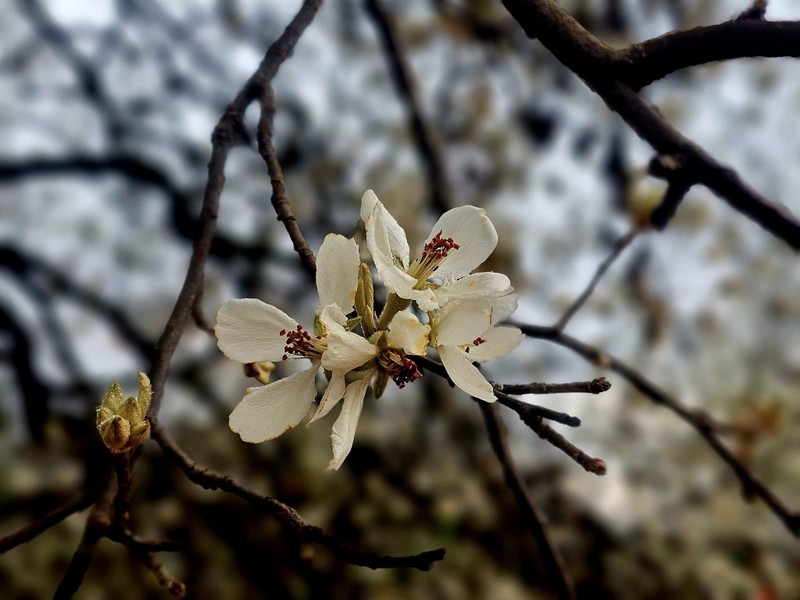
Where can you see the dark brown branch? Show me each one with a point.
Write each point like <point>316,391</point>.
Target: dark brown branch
<point>97,525</point>
<point>616,250</point>
<point>211,480</point>
<point>54,517</point>
<point>280,201</point>
<point>226,134</point>
<point>593,61</point>
<point>556,568</point>
<point>533,412</point>
<point>705,426</point>
<point>595,386</point>
<point>428,143</point>
<point>530,414</point>
<point>641,64</point>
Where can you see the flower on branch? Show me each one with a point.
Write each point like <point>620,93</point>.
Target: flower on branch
<point>459,242</point>
<point>462,332</point>
<point>251,331</point>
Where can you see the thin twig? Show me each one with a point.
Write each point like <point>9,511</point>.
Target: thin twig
<point>554,562</point>
<point>595,386</point>
<point>698,420</point>
<point>428,143</point>
<point>280,200</point>
<point>595,63</point>
<point>532,419</point>
<point>211,480</point>
<point>620,245</point>
<point>80,502</point>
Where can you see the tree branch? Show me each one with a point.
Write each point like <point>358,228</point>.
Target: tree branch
<point>594,62</point>
<point>557,569</point>
<point>701,422</point>
<point>211,480</point>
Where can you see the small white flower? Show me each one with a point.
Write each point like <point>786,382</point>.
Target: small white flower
<point>251,331</point>
<point>462,333</point>
<point>350,353</point>
<point>459,242</point>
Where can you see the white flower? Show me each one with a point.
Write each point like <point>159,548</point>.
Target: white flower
<point>459,242</point>
<point>462,333</point>
<point>251,331</point>
<point>347,352</point>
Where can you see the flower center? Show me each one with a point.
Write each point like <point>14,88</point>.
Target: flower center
<point>433,254</point>
<point>398,366</point>
<point>301,343</point>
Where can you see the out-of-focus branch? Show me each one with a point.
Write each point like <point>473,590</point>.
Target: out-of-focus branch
<point>556,568</point>
<point>80,502</point>
<point>702,423</point>
<point>594,62</point>
<point>211,480</point>
<point>616,250</point>
<point>428,143</point>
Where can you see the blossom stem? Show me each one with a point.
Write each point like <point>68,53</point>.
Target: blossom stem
<point>394,304</point>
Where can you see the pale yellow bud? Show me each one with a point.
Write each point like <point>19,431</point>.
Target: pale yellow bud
<point>122,421</point>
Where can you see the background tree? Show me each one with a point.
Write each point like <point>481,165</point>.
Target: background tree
<point>619,160</point>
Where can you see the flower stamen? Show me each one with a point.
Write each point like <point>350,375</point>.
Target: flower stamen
<point>301,343</point>
<point>398,366</point>
<point>433,254</point>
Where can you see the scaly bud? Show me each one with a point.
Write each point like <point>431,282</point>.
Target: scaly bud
<point>122,421</point>
<point>365,300</point>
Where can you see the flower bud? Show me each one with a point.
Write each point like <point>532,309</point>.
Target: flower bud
<point>365,300</point>
<point>122,421</point>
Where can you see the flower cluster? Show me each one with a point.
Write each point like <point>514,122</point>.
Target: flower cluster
<point>358,349</point>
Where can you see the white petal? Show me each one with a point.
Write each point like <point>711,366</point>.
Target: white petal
<point>337,272</point>
<point>498,341</point>
<point>332,315</point>
<point>346,350</point>
<point>333,393</point>
<point>267,412</point>
<point>402,284</point>
<point>472,230</point>
<point>247,330</point>
<point>464,374</point>
<point>385,238</point>
<point>473,286</point>
<point>503,306</point>
<point>344,429</point>
<point>460,322</point>
<point>406,332</point>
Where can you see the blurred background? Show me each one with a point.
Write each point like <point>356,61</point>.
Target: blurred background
<point>106,112</point>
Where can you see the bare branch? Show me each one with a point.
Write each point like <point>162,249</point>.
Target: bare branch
<point>211,480</point>
<point>428,143</point>
<point>705,426</point>
<point>80,502</point>
<point>594,62</point>
<point>616,250</point>
<point>595,386</point>
<point>559,574</point>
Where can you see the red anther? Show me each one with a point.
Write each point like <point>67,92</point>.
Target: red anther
<point>466,349</point>
<point>478,341</point>
<point>282,332</point>
<point>284,357</point>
